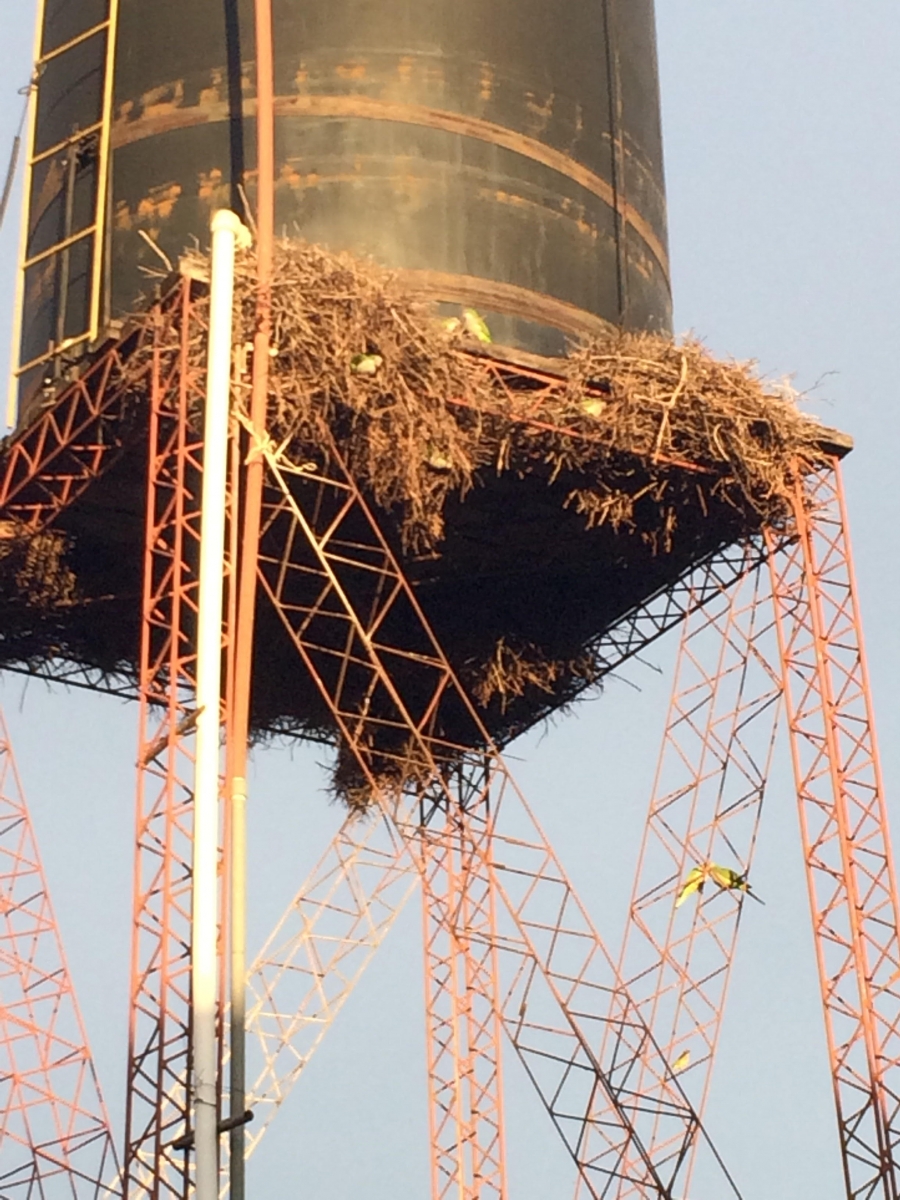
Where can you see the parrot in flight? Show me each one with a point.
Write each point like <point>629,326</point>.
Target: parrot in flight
<point>694,883</point>
<point>732,881</point>
<point>724,877</point>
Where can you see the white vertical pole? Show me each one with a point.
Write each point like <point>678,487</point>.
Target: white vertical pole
<point>226,230</point>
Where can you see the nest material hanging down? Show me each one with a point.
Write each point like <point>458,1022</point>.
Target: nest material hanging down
<point>528,527</point>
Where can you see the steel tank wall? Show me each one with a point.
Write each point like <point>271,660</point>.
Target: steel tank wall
<point>503,153</point>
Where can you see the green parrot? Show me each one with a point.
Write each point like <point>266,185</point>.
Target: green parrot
<point>438,460</point>
<point>476,326</point>
<point>694,883</point>
<point>724,877</point>
<point>682,1062</point>
<point>591,406</point>
<point>366,364</point>
<point>731,881</point>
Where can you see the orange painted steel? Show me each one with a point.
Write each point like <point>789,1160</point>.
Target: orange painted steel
<point>845,829</point>
<point>158,1083</point>
<point>705,808</point>
<point>55,1135</point>
<point>239,700</point>
<point>333,926</point>
<point>80,433</point>
<point>317,953</point>
<point>318,528</point>
<point>583,1034</point>
<point>462,998</point>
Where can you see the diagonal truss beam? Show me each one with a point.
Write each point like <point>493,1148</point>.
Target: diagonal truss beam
<point>54,1132</point>
<point>49,464</point>
<point>705,808</point>
<point>317,952</point>
<point>333,926</point>
<point>342,542</point>
<point>846,839</point>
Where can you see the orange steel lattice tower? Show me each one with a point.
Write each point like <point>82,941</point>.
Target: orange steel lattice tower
<point>846,840</point>
<point>510,950</point>
<point>511,954</point>
<point>770,625</point>
<point>55,1138</point>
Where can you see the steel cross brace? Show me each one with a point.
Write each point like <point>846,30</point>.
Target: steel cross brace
<point>705,808</point>
<point>462,1016</point>
<point>335,923</point>
<point>54,1130</point>
<point>586,985</point>
<point>51,462</point>
<point>317,952</point>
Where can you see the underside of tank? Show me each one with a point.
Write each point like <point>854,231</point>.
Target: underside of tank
<point>534,506</point>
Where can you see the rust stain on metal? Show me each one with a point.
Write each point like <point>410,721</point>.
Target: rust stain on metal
<point>164,118</point>
<point>507,298</point>
<point>214,189</point>
<point>566,210</point>
<point>353,71</point>
<point>485,82</point>
<point>215,93</point>
<point>540,113</point>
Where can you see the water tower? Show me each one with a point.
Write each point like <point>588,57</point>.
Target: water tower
<point>498,157</point>
<point>412,541</point>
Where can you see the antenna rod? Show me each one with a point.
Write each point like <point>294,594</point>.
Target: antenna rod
<point>226,231</point>
<point>246,615</point>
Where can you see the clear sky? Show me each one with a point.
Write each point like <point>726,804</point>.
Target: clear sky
<point>782,120</point>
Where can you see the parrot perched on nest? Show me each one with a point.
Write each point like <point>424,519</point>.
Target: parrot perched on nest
<point>476,326</point>
<point>724,877</point>
<point>366,364</point>
<point>472,324</point>
<point>438,459</point>
<point>591,406</point>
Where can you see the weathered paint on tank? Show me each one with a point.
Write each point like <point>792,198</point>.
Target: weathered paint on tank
<point>500,153</point>
<point>505,153</point>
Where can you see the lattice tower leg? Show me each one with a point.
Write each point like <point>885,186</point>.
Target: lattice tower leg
<point>332,928</point>
<point>705,808</point>
<point>330,931</point>
<point>462,1001</point>
<point>320,544</point>
<point>844,824</point>
<point>55,1137</point>
<point>158,1095</point>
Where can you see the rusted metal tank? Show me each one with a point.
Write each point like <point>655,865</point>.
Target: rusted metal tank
<point>503,154</point>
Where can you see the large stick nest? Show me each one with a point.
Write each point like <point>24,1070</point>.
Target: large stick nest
<point>530,512</point>
<point>431,420</point>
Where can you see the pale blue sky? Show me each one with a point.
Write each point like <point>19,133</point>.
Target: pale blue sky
<point>782,120</point>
